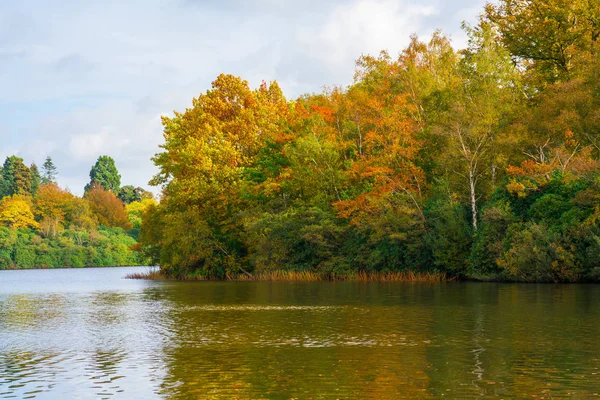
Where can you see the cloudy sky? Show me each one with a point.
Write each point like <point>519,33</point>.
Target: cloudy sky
<point>79,79</point>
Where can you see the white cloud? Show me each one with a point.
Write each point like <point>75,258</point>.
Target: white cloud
<point>81,79</point>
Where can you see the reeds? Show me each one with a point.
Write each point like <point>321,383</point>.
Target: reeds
<point>279,276</point>
<point>308,276</point>
<point>399,276</point>
<point>152,275</point>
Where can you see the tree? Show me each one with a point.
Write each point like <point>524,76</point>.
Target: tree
<point>79,215</point>
<point>129,194</point>
<point>486,94</point>
<point>107,207</point>
<point>17,176</point>
<point>388,145</point>
<point>105,174</point>
<point>548,36</point>
<point>36,179</point>
<point>48,171</point>
<point>50,207</point>
<point>15,213</point>
<point>206,152</point>
<point>136,209</point>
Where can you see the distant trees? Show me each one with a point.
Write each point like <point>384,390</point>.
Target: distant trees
<point>15,213</point>
<point>16,177</point>
<point>108,209</point>
<point>36,178</point>
<point>129,194</point>
<point>44,225</point>
<point>49,171</point>
<point>105,174</point>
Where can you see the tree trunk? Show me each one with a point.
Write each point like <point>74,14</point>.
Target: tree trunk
<point>473,200</point>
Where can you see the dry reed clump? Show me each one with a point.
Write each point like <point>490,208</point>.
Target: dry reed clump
<point>153,275</point>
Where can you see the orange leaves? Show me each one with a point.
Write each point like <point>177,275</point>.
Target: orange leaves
<point>51,201</point>
<point>325,112</point>
<point>355,209</point>
<point>530,168</point>
<point>107,207</point>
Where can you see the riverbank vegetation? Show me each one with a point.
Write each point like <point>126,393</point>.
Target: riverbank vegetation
<point>45,226</point>
<point>305,276</point>
<point>481,162</point>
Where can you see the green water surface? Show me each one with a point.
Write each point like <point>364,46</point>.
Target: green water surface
<point>89,334</point>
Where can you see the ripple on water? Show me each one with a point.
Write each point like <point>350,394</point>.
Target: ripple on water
<point>213,340</point>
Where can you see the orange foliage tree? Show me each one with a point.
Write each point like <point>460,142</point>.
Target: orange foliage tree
<point>108,209</point>
<point>50,206</point>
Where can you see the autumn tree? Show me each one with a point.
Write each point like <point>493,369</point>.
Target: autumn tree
<point>15,213</point>
<point>483,100</point>
<point>108,209</point>
<point>206,151</point>
<point>50,207</point>
<point>549,36</point>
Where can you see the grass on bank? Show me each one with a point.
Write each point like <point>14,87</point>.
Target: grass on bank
<point>309,276</point>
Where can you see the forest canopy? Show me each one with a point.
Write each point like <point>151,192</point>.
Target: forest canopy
<point>45,226</point>
<point>480,162</point>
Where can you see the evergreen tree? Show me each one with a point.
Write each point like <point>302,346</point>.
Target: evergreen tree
<point>49,171</point>
<point>3,184</point>
<point>105,174</point>
<point>17,176</point>
<point>36,178</point>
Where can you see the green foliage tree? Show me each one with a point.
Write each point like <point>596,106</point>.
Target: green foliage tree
<point>17,177</point>
<point>105,174</point>
<point>129,194</point>
<point>36,178</point>
<point>49,171</point>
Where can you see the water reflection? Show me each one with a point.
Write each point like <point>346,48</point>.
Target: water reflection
<point>130,339</point>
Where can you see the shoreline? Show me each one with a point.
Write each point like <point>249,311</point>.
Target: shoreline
<point>305,276</point>
<point>86,267</point>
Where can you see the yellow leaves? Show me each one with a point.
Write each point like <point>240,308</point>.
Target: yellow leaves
<point>516,188</point>
<point>208,146</point>
<point>16,213</point>
<point>136,209</point>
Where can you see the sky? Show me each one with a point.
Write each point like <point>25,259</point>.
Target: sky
<point>80,79</point>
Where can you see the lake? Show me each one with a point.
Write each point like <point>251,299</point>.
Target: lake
<point>90,334</point>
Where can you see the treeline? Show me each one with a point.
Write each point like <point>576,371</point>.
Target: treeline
<point>45,226</point>
<point>481,162</point>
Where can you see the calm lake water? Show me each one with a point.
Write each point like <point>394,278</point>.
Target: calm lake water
<point>89,334</point>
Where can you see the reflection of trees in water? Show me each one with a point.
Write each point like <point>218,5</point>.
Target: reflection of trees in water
<point>296,341</point>
<point>107,308</point>
<point>29,311</point>
<point>514,340</point>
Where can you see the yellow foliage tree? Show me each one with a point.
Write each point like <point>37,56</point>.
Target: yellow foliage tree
<point>15,213</point>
